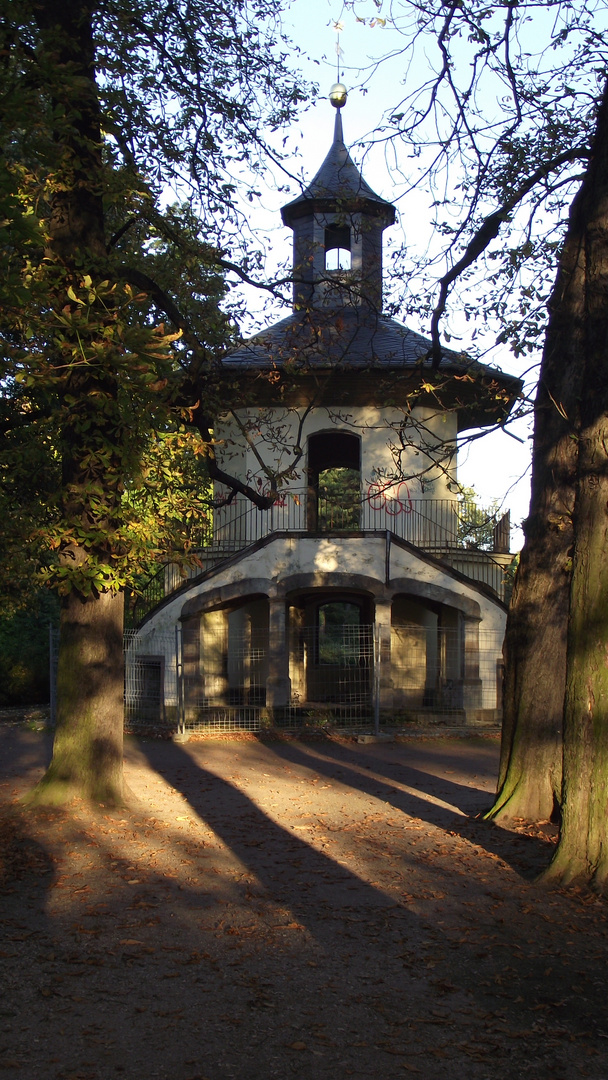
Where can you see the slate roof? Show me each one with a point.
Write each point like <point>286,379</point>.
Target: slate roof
<point>339,335</point>
<point>338,178</point>
<point>347,338</point>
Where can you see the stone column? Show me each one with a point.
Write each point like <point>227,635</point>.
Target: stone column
<point>192,676</point>
<point>382,627</point>
<point>472,687</point>
<point>278,683</point>
<point>297,671</point>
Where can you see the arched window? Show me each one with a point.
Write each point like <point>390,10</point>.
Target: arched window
<point>337,247</point>
<point>334,472</point>
<point>337,259</point>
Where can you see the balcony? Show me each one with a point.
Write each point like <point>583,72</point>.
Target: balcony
<point>457,532</point>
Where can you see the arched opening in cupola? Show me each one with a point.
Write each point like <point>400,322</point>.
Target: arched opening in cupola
<point>337,247</point>
<point>334,482</point>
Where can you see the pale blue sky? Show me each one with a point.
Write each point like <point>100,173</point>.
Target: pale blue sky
<point>496,464</point>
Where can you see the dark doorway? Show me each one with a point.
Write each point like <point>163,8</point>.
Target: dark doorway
<point>339,653</point>
<point>334,482</point>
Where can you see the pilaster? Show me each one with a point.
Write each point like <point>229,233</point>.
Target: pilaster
<point>382,634</point>
<point>278,683</point>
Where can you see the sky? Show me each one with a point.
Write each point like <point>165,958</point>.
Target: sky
<point>497,466</point>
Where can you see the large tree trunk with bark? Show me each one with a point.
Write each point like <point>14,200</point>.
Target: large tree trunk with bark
<point>582,854</point>
<point>87,754</point>
<point>530,776</point>
<point>529,782</point>
<point>88,749</point>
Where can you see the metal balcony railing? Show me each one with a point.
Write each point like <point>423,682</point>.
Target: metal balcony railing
<point>439,526</point>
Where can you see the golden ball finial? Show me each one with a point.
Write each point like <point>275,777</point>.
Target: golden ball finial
<point>338,95</point>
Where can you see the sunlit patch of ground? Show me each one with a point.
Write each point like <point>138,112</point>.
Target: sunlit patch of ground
<point>286,909</point>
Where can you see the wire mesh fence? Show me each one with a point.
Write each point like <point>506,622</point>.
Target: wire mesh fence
<point>228,677</point>
<point>221,675</point>
<point>152,680</point>
<point>338,675</point>
<point>436,673</point>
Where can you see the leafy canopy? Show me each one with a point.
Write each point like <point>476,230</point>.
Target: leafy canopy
<point>111,326</point>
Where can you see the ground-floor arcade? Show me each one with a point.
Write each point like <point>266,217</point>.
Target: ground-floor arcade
<point>290,633</point>
<point>339,654</point>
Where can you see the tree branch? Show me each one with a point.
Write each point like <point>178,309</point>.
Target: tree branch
<point>233,268</point>
<point>121,232</point>
<point>487,232</point>
<point>164,303</point>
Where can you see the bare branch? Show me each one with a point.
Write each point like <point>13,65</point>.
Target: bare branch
<point>487,232</point>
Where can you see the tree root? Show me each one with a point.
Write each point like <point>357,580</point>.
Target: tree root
<point>54,790</point>
<point>520,800</point>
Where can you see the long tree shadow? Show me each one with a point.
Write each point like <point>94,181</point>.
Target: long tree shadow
<point>462,796</point>
<point>27,874</point>
<point>350,918</point>
<point>314,886</point>
<point>432,758</point>
<point>525,854</point>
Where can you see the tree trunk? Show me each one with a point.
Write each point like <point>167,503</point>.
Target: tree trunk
<point>529,783</point>
<point>88,747</point>
<point>582,854</point>
<point>87,754</point>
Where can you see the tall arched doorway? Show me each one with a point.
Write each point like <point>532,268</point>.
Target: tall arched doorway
<point>334,481</point>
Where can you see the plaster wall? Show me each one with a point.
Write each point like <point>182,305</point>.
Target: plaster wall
<point>273,435</point>
<point>329,562</point>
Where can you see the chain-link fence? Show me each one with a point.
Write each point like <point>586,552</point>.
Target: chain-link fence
<point>151,679</point>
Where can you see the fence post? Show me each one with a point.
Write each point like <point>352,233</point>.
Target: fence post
<point>377,662</point>
<point>179,681</point>
<point>52,676</point>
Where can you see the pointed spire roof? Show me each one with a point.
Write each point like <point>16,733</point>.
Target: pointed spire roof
<point>337,181</point>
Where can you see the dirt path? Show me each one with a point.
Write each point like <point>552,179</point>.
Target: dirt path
<point>292,909</point>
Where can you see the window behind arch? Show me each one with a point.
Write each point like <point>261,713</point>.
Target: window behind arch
<point>337,247</point>
<point>339,633</point>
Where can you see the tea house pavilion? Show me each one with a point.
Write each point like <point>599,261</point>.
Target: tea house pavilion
<point>358,591</point>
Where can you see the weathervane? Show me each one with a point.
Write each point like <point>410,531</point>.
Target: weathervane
<point>338,93</point>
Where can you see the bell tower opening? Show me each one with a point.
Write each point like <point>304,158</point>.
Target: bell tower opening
<point>337,247</point>
<point>334,482</point>
<point>337,224</point>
